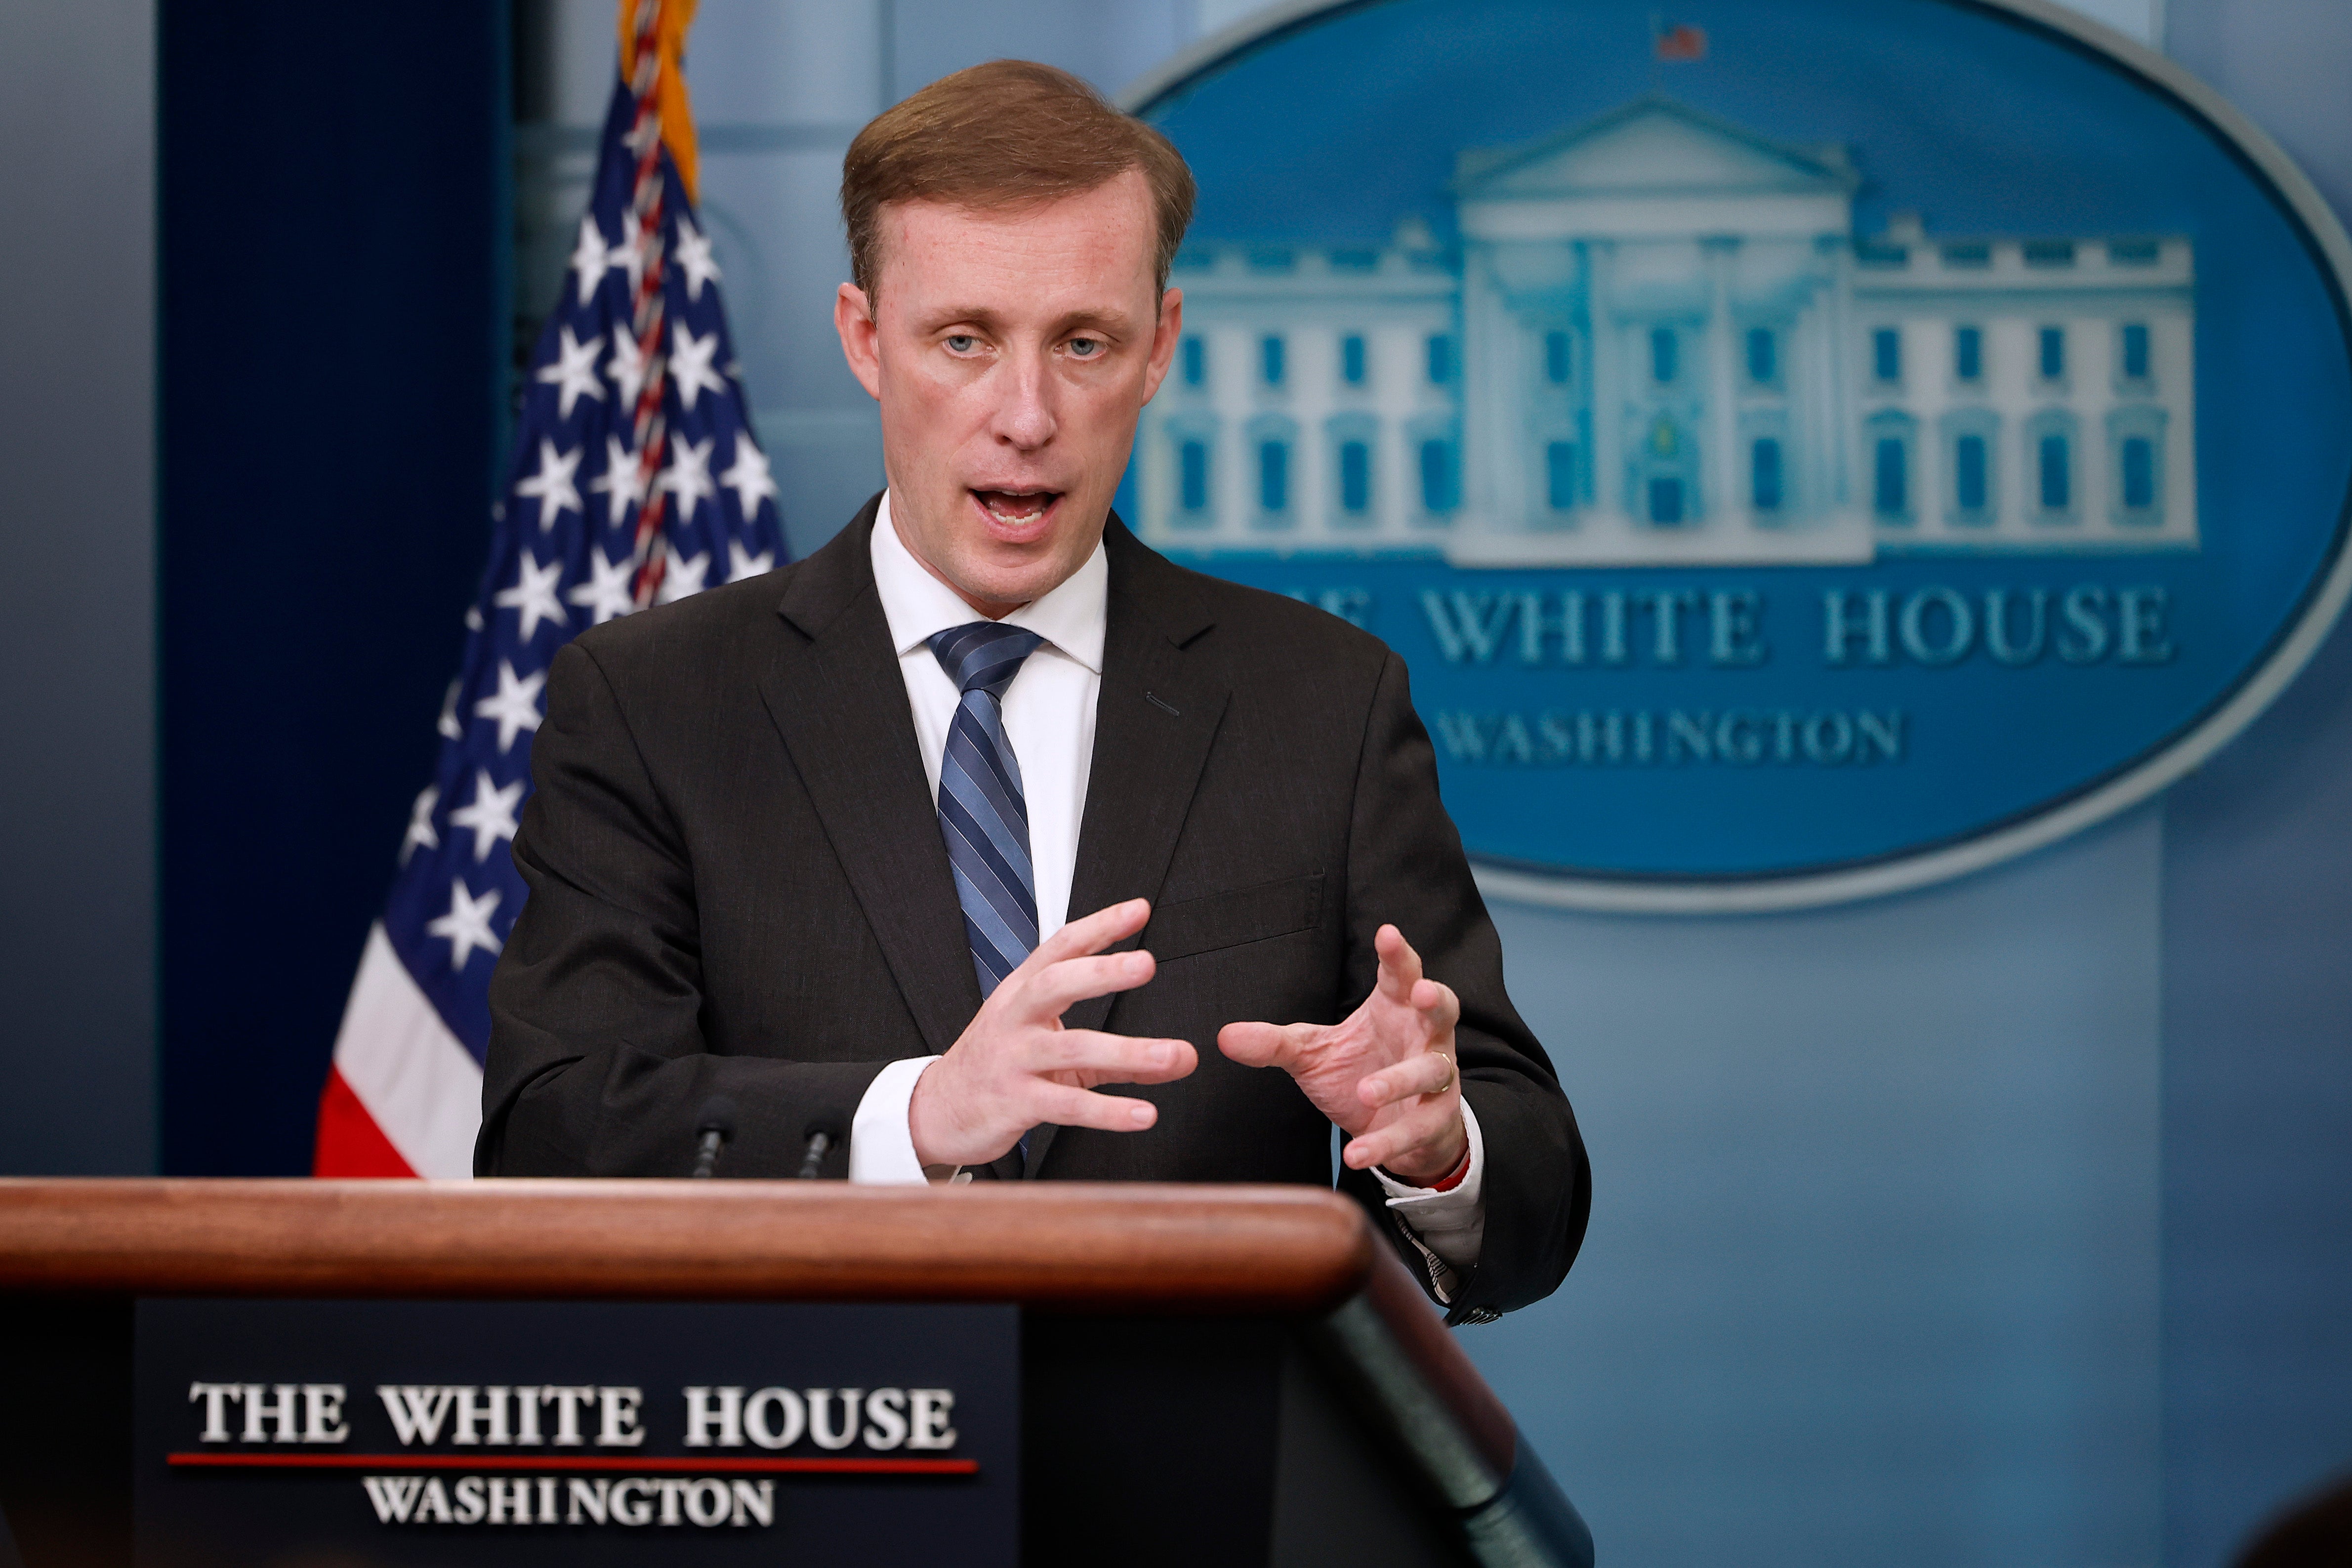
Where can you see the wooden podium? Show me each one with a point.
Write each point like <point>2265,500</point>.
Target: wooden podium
<point>1230,1374</point>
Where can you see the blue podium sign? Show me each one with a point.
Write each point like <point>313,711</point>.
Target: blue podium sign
<point>1806,450</point>
<point>424,1433</point>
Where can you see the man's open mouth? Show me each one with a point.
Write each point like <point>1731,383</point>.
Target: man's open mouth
<point>1017,509</point>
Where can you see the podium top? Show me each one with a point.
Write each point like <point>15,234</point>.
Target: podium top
<point>1302,1252</point>
<point>1053,1244</point>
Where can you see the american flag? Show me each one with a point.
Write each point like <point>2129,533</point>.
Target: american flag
<point>634,481</point>
<point>1676,40</point>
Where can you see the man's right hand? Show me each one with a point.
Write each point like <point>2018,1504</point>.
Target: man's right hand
<point>1015,1066</point>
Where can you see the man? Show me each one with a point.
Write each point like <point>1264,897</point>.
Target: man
<point>810,840</point>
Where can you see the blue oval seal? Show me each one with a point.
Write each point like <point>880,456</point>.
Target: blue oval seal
<point>1804,449</point>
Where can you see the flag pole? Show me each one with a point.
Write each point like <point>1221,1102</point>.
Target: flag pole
<point>650,432</point>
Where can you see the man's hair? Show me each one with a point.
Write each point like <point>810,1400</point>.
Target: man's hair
<point>1010,133</point>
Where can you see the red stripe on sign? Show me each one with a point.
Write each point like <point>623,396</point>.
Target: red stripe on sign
<point>570,1462</point>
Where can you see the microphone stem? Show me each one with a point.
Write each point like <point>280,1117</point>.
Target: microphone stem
<point>705,1159</point>
<point>817,1144</point>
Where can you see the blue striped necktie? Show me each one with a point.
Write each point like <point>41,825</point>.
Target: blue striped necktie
<point>982,814</point>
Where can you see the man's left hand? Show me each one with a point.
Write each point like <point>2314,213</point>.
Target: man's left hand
<point>1385,1074</point>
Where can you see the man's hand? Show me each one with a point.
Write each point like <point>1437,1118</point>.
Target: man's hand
<point>1385,1074</point>
<point>1015,1066</point>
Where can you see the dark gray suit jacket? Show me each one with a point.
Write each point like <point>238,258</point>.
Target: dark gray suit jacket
<point>738,885</point>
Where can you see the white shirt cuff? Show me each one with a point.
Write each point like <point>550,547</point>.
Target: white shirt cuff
<point>1447,1227</point>
<point>881,1144</point>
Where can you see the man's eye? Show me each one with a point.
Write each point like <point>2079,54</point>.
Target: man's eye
<point>1087,348</point>
<point>961,342</point>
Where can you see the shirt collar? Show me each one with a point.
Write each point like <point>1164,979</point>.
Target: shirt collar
<point>1071,615</point>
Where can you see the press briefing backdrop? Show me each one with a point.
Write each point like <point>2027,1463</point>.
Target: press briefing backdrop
<point>1998,1221</point>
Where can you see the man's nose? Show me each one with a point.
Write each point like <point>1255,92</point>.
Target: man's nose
<point>1024,413</point>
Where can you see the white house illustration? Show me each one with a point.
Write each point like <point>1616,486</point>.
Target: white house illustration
<point>1663,342</point>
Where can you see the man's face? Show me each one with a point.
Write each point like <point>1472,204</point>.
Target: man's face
<point>1011,351</point>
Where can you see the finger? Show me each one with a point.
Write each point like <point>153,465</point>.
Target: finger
<point>1051,990</point>
<point>1267,1045</point>
<point>1437,1000</point>
<point>1090,935</point>
<point>1432,1072</point>
<point>1399,964</point>
<point>1069,1107</point>
<point>1433,1123</point>
<point>1114,1058</point>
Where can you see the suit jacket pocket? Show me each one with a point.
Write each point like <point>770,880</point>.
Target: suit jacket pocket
<point>1234,917</point>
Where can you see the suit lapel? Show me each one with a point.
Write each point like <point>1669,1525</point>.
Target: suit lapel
<point>839,701</point>
<point>1154,722</point>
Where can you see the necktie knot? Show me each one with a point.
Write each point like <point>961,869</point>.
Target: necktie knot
<point>984,655</point>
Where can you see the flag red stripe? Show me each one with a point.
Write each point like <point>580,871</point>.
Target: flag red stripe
<point>350,1142</point>
<point>570,1462</point>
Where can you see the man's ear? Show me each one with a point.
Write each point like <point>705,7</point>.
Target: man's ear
<point>853,317</point>
<point>1165,333</point>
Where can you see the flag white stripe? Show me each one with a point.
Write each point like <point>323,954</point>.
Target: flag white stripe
<point>417,1082</point>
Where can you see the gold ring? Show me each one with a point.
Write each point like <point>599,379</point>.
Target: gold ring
<point>1447,1082</point>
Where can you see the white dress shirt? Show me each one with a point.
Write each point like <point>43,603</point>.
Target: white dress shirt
<point>1049,718</point>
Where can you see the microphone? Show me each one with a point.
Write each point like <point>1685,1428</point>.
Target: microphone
<point>714,1126</point>
<point>820,1136</point>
